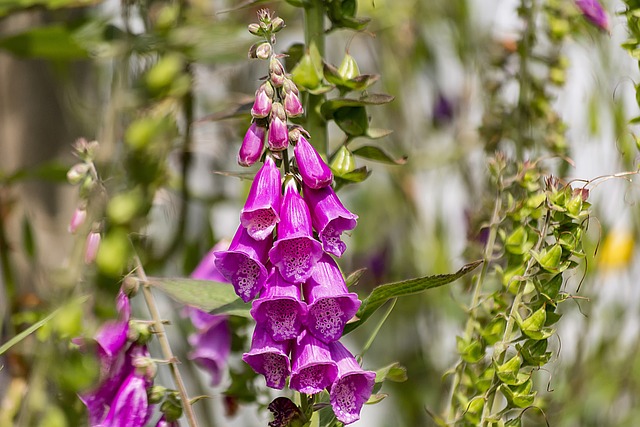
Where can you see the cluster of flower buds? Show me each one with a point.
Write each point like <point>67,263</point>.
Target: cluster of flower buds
<point>85,176</point>
<point>303,302</point>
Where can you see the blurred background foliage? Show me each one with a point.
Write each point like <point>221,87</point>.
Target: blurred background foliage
<point>126,73</point>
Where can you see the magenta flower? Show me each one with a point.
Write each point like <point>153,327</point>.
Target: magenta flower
<point>330,305</point>
<point>314,171</point>
<point>594,12</point>
<point>269,358</point>
<point>262,104</point>
<point>112,335</point>
<point>211,347</point>
<point>252,145</point>
<point>278,137</point>
<point>243,263</point>
<point>353,386</point>
<point>279,309</point>
<point>163,422</point>
<point>91,247</point>
<point>330,218</point>
<point>292,105</point>
<point>296,252</point>
<point>77,219</point>
<point>260,213</point>
<point>313,369</point>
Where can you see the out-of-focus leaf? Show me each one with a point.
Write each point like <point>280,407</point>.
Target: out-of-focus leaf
<point>54,42</point>
<point>394,372</point>
<point>352,120</point>
<point>377,133</point>
<point>383,293</point>
<point>50,171</point>
<point>28,239</point>
<point>9,6</point>
<point>330,106</point>
<point>378,154</point>
<point>294,54</point>
<point>207,295</point>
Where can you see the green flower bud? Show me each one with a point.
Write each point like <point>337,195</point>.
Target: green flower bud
<point>171,407</point>
<point>348,68</point>
<point>343,162</point>
<point>263,51</point>
<point>255,29</point>
<point>156,394</point>
<point>277,24</point>
<point>77,173</point>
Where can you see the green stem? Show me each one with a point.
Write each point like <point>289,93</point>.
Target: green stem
<point>314,34</point>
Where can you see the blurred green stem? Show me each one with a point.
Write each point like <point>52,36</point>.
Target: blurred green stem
<point>314,34</point>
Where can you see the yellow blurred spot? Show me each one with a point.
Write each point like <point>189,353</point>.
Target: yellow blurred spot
<point>616,250</point>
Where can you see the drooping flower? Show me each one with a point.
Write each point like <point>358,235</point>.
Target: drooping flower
<point>296,252</point>
<point>112,336</point>
<point>260,213</point>
<point>269,358</point>
<point>330,218</point>
<point>292,104</point>
<point>91,247</point>
<point>280,309</point>
<point>329,303</point>
<point>211,347</point>
<point>594,12</point>
<point>314,171</point>
<point>262,104</point>
<point>353,386</point>
<point>313,369</point>
<point>278,137</point>
<point>77,219</point>
<point>243,263</point>
<point>252,145</point>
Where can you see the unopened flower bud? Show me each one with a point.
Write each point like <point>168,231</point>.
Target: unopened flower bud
<point>289,86</point>
<point>145,366</point>
<point>171,407</point>
<point>156,394</point>
<point>276,72</point>
<point>77,173</point>
<point>263,51</point>
<point>91,247</point>
<point>264,15</point>
<point>292,105</point>
<point>348,68</point>
<point>79,215</point>
<point>278,137</point>
<point>254,29</point>
<point>262,104</point>
<point>277,24</point>
<point>130,286</point>
<point>140,332</point>
<point>343,162</point>
<point>252,145</point>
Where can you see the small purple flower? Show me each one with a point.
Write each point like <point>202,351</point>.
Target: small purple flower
<point>353,386</point>
<point>314,171</point>
<point>112,335</point>
<point>77,219</point>
<point>330,305</point>
<point>269,358</point>
<point>243,263</point>
<point>313,368</point>
<point>594,12</point>
<point>211,347</point>
<point>130,406</point>
<point>278,137</point>
<point>330,218</point>
<point>91,247</point>
<point>252,145</point>
<point>292,105</point>
<point>260,213</point>
<point>296,252</point>
<point>262,104</point>
<point>280,309</point>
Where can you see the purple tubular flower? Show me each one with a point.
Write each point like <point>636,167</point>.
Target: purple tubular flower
<point>280,309</point>
<point>330,305</point>
<point>278,137</point>
<point>269,358</point>
<point>314,171</point>
<point>243,263</point>
<point>130,406</point>
<point>353,386</point>
<point>211,347</point>
<point>79,215</point>
<point>313,369</point>
<point>260,213</point>
<point>330,218</point>
<point>296,252</point>
<point>252,145</point>
<point>262,104</point>
<point>112,336</point>
<point>292,105</point>
<point>91,247</point>
<point>594,13</point>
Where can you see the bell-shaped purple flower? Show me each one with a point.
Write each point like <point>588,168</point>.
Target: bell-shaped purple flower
<point>77,219</point>
<point>314,171</point>
<point>330,218</point>
<point>278,137</point>
<point>262,104</point>
<point>313,368</point>
<point>211,347</point>
<point>296,252</point>
<point>279,309</point>
<point>91,247</point>
<point>353,386</point>
<point>130,406</point>
<point>252,145</point>
<point>260,213</point>
<point>243,263</point>
<point>594,13</point>
<point>269,358</point>
<point>329,303</point>
<point>292,105</point>
<point>112,335</point>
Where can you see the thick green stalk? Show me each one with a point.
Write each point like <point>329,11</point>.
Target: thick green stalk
<point>314,34</point>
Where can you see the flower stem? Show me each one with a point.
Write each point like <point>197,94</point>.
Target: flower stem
<point>164,343</point>
<point>316,125</point>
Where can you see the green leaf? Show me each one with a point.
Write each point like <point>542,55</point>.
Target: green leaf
<point>376,398</point>
<point>356,175</point>
<point>471,351</point>
<point>207,295</point>
<point>353,121</point>
<point>54,42</point>
<point>473,411</point>
<point>330,106</point>
<point>508,371</point>
<point>383,293</point>
<point>377,154</point>
<point>49,171</point>
<point>28,239</point>
<point>377,133</point>
<point>394,372</point>
<point>354,277</point>
<point>9,6</point>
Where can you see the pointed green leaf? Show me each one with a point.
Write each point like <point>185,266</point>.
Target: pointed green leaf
<point>376,398</point>
<point>55,42</point>
<point>549,258</point>
<point>353,121</point>
<point>377,154</point>
<point>377,133</point>
<point>207,295</point>
<point>383,293</point>
<point>356,175</point>
<point>329,107</point>
<point>508,371</point>
<point>394,372</point>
